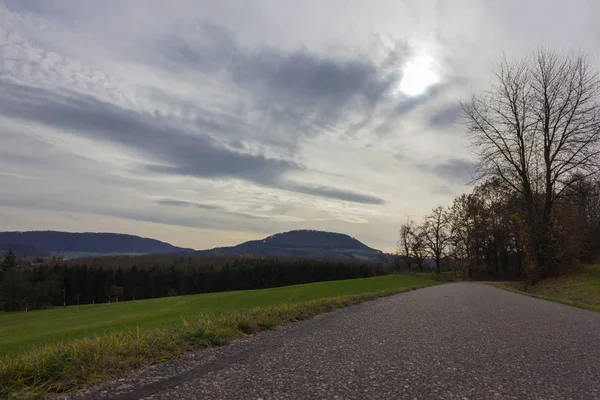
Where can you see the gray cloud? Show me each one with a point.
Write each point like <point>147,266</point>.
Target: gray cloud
<point>325,191</point>
<point>173,150</point>
<point>70,206</point>
<point>208,219</point>
<point>446,115</point>
<point>174,203</point>
<point>196,155</point>
<point>208,49</point>
<point>457,170</point>
<point>303,78</point>
<point>301,91</point>
<point>182,203</point>
<point>277,213</point>
<point>223,210</point>
<point>300,76</point>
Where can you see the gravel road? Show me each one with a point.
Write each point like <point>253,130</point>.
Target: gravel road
<point>454,341</point>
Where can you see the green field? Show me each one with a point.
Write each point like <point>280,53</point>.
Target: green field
<point>20,331</point>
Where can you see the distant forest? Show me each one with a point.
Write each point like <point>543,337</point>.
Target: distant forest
<point>114,279</point>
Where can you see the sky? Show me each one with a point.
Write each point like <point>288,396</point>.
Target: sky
<point>205,123</point>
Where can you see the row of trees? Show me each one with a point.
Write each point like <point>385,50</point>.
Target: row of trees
<point>477,233</point>
<point>536,134</point>
<point>105,282</point>
<point>486,231</point>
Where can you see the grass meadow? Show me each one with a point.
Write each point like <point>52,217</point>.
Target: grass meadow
<point>65,349</point>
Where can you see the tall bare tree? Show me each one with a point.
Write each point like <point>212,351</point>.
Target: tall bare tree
<point>418,247</point>
<point>405,244</point>
<point>538,130</point>
<point>437,235</point>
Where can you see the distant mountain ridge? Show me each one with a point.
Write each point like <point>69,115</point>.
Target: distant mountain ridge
<point>297,243</point>
<point>303,243</point>
<point>43,243</point>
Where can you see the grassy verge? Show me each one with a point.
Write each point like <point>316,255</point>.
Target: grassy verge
<point>71,365</point>
<point>580,289</point>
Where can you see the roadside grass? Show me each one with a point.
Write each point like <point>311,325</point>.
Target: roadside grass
<point>579,289</point>
<point>69,365</point>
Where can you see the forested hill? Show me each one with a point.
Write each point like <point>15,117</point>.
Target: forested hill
<point>303,243</point>
<point>42,243</point>
<point>299,243</point>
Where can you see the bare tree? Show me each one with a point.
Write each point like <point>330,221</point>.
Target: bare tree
<point>407,235</point>
<point>538,130</point>
<point>418,247</point>
<point>437,236</point>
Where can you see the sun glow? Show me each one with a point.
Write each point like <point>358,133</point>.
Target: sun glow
<point>417,75</point>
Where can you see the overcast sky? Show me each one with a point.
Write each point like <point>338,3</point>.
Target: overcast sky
<point>208,123</point>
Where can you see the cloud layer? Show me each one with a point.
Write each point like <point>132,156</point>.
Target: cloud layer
<point>207,124</point>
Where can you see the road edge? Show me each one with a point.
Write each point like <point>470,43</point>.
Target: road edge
<point>303,311</point>
<point>220,363</point>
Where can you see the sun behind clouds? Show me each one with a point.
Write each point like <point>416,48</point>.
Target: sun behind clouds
<point>418,74</point>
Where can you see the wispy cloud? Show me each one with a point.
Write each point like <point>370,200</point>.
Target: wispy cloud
<point>18,176</point>
<point>184,203</point>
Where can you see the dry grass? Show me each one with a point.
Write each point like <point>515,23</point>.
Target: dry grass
<point>580,289</point>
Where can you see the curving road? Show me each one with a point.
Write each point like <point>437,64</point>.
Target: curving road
<point>455,341</point>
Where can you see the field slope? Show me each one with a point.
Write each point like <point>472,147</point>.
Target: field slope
<point>19,332</point>
<point>61,350</point>
<point>579,289</point>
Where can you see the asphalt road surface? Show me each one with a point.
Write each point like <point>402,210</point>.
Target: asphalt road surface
<point>454,341</point>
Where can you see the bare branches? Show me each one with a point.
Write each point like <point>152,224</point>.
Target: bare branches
<point>437,236</point>
<point>501,127</point>
<point>412,245</point>
<point>539,124</point>
<point>406,241</point>
<point>418,247</point>
<point>567,94</point>
<point>538,129</point>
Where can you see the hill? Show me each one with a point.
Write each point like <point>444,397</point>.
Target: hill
<point>298,243</point>
<point>75,244</point>
<point>303,243</point>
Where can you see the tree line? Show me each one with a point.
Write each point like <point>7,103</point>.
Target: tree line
<point>114,279</point>
<point>536,208</point>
